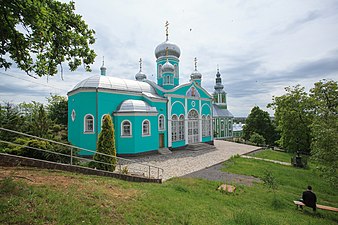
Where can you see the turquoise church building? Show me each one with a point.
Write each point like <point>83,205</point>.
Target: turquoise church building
<point>147,115</point>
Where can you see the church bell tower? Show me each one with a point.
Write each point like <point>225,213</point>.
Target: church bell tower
<point>167,62</point>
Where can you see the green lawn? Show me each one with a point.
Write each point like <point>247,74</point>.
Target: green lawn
<point>65,198</point>
<point>274,155</point>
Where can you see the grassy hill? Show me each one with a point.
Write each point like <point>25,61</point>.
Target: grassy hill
<point>34,196</point>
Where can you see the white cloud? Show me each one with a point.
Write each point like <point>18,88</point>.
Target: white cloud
<point>260,46</point>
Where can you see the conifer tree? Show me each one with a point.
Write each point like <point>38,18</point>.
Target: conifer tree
<point>106,145</point>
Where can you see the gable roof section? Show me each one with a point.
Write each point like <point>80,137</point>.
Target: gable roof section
<point>219,112</point>
<point>164,91</point>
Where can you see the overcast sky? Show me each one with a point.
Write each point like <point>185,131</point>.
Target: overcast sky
<point>260,46</point>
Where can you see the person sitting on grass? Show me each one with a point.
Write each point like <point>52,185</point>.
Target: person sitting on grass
<point>309,198</point>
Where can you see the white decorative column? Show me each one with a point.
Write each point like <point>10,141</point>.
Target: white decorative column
<point>169,122</point>
<point>212,123</point>
<point>186,121</point>
<point>200,121</point>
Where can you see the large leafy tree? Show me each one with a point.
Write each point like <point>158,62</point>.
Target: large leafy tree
<point>259,122</point>
<point>293,116</point>
<point>39,35</point>
<point>106,145</point>
<point>58,109</point>
<point>324,146</point>
<point>10,118</point>
<point>40,124</point>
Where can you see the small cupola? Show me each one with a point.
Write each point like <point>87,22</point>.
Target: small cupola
<point>140,76</point>
<point>103,68</point>
<point>168,67</point>
<point>195,75</point>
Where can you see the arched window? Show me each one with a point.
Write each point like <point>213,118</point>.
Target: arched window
<point>145,128</point>
<point>174,128</point>
<point>161,122</point>
<point>159,71</point>
<point>176,71</point>
<point>102,119</point>
<point>181,128</point>
<point>126,128</point>
<point>89,123</point>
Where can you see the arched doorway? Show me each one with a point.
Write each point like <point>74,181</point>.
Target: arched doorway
<point>193,127</point>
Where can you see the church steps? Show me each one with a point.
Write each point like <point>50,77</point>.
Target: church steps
<point>199,147</point>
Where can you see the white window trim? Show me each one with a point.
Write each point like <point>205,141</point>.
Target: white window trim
<point>102,119</point>
<point>204,126</point>
<point>159,73</point>
<point>181,137</point>
<point>174,127</point>
<point>209,124</point>
<point>168,80</point>
<point>159,128</point>
<point>149,134</point>
<point>73,115</point>
<point>84,124</point>
<point>131,129</point>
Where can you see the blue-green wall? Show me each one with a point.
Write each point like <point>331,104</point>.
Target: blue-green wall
<point>85,103</point>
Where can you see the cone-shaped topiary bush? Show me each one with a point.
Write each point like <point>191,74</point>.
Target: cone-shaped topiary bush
<point>106,145</point>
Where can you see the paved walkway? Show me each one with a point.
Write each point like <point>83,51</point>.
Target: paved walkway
<point>183,162</point>
<point>267,160</point>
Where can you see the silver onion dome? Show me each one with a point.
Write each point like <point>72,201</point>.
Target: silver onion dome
<point>168,67</point>
<point>173,50</point>
<point>140,76</point>
<point>195,75</point>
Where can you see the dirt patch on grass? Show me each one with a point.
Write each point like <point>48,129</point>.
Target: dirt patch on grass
<point>215,173</point>
<point>57,179</point>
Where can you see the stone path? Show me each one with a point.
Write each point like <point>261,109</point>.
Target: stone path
<point>267,160</point>
<point>183,162</point>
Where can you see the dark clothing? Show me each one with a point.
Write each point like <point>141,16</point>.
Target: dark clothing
<point>309,199</point>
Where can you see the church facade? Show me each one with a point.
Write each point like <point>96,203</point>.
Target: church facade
<point>147,116</point>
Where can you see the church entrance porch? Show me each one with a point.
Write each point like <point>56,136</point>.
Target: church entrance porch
<point>193,130</point>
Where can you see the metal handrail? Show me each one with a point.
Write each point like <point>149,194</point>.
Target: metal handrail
<point>57,153</point>
<point>72,146</point>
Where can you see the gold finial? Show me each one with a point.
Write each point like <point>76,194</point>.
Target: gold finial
<point>195,59</point>
<point>166,29</point>
<point>140,61</point>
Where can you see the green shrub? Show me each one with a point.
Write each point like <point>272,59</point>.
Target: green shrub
<point>106,145</point>
<point>29,148</point>
<point>269,180</point>
<point>257,139</point>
